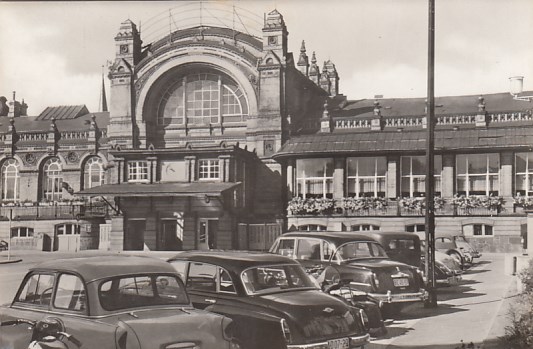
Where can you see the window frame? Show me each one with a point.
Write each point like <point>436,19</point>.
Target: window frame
<point>210,168</point>
<point>138,171</point>
<point>358,179</point>
<point>52,180</point>
<point>487,175</point>
<point>8,176</point>
<point>527,182</point>
<point>89,168</point>
<point>324,181</point>
<point>437,176</point>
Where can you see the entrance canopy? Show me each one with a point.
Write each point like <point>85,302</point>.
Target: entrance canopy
<point>197,189</point>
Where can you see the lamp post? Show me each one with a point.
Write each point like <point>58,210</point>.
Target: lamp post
<point>516,88</point>
<point>430,145</point>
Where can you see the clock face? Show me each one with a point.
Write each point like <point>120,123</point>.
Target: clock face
<point>272,40</point>
<point>124,49</point>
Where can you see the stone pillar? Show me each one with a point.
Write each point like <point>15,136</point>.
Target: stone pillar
<point>116,236</point>
<point>120,170</point>
<point>447,177</point>
<point>338,178</point>
<point>190,165</point>
<point>529,236</point>
<point>506,178</point>
<point>291,178</point>
<point>225,168</point>
<point>152,169</point>
<point>393,186</point>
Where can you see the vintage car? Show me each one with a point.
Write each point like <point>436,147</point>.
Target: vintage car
<point>111,302</point>
<point>358,258</point>
<point>409,249</point>
<point>457,247</point>
<point>272,301</point>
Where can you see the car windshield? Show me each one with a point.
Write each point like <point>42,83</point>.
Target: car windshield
<point>275,278</point>
<point>126,292</point>
<point>358,250</point>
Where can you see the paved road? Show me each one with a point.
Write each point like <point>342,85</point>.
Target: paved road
<point>474,311</point>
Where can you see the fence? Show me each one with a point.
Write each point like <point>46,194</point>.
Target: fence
<point>258,237</point>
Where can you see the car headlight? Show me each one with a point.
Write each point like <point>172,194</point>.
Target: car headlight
<point>375,280</point>
<point>364,318</point>
<point>285,330</point>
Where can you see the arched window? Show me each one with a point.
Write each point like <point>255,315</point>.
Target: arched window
<point>10,180</point>
<point>202,99</point>
<point>52,180</point>
<point>93,174</point>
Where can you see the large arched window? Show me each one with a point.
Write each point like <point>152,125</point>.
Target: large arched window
<point>202,99</point>
<point>52,180</point>
<point>10,180</point>
<point>93,173</point>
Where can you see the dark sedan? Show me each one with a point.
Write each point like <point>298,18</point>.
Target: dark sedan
<point>358,258</point>
<point>272,301</point>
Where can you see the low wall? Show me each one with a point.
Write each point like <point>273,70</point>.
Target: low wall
<point>497,243</point>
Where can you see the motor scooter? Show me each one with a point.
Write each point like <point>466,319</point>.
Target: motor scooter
<point>369,307</point>
<point>46,334</point>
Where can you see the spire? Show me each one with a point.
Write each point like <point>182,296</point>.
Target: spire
<point>303,61</point>
<point>103,99</point>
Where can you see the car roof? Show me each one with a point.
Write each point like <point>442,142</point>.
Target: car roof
<point>100,267</point>
<point>331,236</point>
<point>234,260</point>
<point>401,234</point>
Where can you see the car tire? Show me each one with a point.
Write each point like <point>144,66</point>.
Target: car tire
<point>391,310</point>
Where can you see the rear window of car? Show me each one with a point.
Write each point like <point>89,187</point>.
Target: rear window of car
<point>142,291</point>
<point>275,278</point>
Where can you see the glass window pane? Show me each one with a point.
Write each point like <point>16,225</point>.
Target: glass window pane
<point>461,164</point>
<point>70,293</point>
<point>419,165</point>
<point>202,277</point>
<point>521,162</point>
<point>367,166</point>
<point>477,164</point>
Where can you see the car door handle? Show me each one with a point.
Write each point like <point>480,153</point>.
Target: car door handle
<point>209,300</point>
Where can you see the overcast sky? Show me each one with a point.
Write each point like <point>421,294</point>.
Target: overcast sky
<point>52,53</point>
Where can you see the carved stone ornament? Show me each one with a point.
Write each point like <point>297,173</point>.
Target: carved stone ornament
<point>72,157</point>
<point>30,159</point>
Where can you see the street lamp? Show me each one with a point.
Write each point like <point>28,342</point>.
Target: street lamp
<point>516,88</point>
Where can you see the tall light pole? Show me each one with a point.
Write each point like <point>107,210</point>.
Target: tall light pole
<point>430,181</point>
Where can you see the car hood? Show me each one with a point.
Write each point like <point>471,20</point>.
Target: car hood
<point>155,327</point>
<point>314,313</point>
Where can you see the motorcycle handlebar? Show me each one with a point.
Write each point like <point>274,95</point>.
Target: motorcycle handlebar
<point>18,322</point>
<point>71,338</point>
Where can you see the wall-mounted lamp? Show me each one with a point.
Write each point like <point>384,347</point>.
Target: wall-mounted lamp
<point>517,86</point>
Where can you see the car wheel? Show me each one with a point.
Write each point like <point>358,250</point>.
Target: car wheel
<point>391,310</point>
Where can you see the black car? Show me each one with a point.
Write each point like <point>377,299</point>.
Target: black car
<point>358,258</point>
<point>272,301</point>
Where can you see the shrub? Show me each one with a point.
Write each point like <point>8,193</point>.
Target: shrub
<point>519,334</point>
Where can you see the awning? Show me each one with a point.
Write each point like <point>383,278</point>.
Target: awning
<point>197,189</point>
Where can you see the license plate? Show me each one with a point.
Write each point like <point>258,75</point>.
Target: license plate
<point>401,282</point>
<point>341,343</point>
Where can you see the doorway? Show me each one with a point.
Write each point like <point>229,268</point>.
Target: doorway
<point>170,236</point>
<point>207,232</point>
<point>134,235</point>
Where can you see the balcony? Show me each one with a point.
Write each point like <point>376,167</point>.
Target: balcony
<point>401,207</point>
<point>52,210</point>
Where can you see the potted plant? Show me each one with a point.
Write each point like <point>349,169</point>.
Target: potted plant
<point>523,201</point>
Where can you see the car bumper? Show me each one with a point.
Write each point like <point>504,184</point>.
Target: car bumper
<point>450,281</point>
<point>354,342</point>
<point>390,297</point>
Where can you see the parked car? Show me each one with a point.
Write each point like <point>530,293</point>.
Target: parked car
<point>400,246</point>
<point>358,258</point>
<point>4,245</point>
<point>272,301</point>
<point>111,302</point>
<point>457,247</point>
<point>408,248</point>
